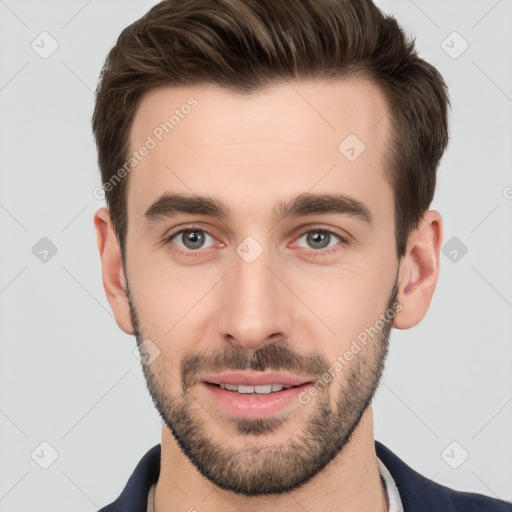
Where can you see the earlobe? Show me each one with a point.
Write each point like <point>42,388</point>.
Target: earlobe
<point>419,271</point>
<point>114,281</point>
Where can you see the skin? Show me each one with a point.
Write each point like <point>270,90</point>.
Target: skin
<point>251,151</point>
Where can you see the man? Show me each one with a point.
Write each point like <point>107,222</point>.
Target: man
<point>268,167</point>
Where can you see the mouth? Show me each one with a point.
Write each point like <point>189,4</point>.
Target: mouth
<point>256,379</point>
<point>251,390</point>
<point>255,396</point>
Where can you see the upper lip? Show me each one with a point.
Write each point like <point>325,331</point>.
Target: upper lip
<point>255,379</point>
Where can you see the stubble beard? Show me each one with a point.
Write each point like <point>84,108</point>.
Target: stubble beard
<point>256,468</point>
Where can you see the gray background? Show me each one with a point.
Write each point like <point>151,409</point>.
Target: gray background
<point>68,375</point>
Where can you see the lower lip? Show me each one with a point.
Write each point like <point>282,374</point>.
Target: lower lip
<point>245,405</point>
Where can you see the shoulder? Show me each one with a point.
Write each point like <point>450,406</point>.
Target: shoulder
<point>419,494</point>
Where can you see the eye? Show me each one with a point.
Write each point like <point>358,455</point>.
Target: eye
<point>191,239</point>
<point>319,239</point>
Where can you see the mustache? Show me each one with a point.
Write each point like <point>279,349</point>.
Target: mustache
<point>272,356</point>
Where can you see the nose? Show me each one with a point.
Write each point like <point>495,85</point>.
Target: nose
<point>254,304</point>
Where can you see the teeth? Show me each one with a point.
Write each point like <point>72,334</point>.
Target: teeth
<point>264,390</point>
<point>248,389</point>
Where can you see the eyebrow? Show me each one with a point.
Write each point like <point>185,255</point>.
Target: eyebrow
<point>171,205</point>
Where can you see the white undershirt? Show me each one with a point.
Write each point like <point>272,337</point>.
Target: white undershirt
<point>394,501</point>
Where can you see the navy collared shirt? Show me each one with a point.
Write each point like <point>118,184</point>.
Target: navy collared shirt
<point>418,494</point>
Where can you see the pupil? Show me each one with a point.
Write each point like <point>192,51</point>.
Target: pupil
<point>318,239</point>
<point>193,239</point>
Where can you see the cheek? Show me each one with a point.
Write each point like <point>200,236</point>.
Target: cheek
<point>174,306</point>
<point>162,290</point>
<point>347,298</point>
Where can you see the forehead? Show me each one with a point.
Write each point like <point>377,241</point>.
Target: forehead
<point>285,138</point>
<point>331,107</point>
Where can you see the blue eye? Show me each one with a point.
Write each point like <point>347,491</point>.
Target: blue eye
<point>320,239</point>
<point>189,242</point>
<point>191,239</point>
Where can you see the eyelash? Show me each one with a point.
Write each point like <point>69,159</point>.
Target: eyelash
<point>197,253</point>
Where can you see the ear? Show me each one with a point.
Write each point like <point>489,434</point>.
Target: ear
<point>419,270</point>
<point>112,268</point>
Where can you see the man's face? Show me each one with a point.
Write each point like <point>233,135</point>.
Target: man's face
<point>253,292</point>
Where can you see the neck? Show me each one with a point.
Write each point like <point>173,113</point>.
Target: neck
<point>349,483</point>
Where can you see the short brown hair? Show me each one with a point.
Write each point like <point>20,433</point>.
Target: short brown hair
<point>246,45</point>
